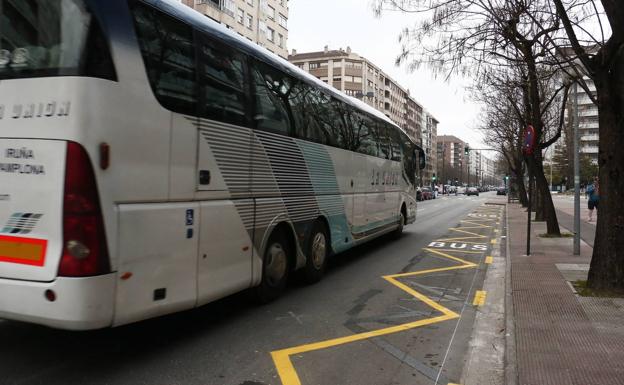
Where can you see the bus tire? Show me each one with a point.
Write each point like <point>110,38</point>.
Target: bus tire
<point>402,218</point>
<point>275,268</point>
<point>317,251</point>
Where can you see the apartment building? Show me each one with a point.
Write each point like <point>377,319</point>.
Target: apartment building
<point>358,77</point>
<point>588,121</point>
<point>454,165</point>
<point>429,141</point>
<point>450,158</point>
<point>264,22</point>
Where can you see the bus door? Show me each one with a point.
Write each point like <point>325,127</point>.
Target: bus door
<point>364,180</point>
<point>223,172</point>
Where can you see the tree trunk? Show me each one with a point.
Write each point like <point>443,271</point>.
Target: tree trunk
<point>607,266</point>
<point>545,203</point>
<point>522,191</point>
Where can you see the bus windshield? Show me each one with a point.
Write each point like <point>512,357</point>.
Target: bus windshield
<point>51,38</point>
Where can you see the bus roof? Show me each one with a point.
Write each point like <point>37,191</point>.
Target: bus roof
<point>201,22</point>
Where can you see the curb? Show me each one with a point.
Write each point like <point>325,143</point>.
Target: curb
<point>485,361</point>
<point>511,373</point>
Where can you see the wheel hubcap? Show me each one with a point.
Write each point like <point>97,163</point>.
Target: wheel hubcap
<point>318,250</point>
<point>276,264</point>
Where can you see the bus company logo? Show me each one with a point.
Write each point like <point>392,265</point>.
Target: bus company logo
<point>35,110</point>
<point>21,223</point>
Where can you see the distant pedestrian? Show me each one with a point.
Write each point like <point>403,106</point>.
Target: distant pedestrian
<point>593,194</point>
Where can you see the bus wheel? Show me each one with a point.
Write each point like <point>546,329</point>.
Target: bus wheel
<point>316,253</point>
<point>275,268</point>
<point>399,231</point>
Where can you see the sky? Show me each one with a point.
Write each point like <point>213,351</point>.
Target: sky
<point>313,24</point>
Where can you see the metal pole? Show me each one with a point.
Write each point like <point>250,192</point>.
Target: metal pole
<point>443,169</point>
<point>529,211</point>
<point>577,178</point>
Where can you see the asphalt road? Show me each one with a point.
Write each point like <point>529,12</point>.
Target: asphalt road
<point>230,341</point>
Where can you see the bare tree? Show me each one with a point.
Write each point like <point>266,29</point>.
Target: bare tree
<point>602,59</point>
<point>461,36</point>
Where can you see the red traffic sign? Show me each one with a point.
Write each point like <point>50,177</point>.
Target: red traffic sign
<point>529,140</point>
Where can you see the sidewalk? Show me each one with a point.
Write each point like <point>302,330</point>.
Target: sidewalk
<point>560,338</point>
<point>564,204</point>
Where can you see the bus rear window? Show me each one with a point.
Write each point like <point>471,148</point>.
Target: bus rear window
<point>51,38</point>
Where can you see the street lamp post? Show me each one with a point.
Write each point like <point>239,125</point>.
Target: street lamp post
<point>577,178</point>
<point>443,169</point>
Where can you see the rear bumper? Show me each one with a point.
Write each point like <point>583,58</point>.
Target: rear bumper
<point>81,303</point>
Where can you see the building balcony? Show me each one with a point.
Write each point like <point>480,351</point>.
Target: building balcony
<point>590,138</point>
<point>589,125</point>
<point>589,150</point>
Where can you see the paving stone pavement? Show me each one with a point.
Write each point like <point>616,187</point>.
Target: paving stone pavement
<point>560,338</point>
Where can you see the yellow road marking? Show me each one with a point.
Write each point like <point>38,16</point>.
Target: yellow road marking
<point>479,298</point>
<point>489,259</point>
<point>463,231</point>
<point>281,358</point>
<point>476,224</point>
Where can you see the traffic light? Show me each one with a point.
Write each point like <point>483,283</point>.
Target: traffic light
<point>466,150</point>
<point>506,179</point>
<point>434,177</point>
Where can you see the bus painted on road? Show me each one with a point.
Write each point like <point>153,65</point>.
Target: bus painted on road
<point>153,161</point>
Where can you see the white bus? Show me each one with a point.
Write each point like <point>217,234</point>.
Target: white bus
<point>152,161</point>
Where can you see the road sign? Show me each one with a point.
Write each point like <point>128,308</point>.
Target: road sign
<point>528,140</point>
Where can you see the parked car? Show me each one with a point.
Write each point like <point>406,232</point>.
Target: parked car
<point>472,191</point>
<point>426,193</point>
<point>460,190</point>
<point>501,191</point>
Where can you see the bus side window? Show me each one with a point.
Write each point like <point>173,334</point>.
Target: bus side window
<point>383,139</point>
<point>322,121</point>
<point>340,124</point>
<point>365,134</point>
<point>272,91</point>
<point>396,145</point>
<point>307,110</point>
<point>222,83</point>
<point>168,52</point>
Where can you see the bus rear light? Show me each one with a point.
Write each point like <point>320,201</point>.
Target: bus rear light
<point>84,247</point>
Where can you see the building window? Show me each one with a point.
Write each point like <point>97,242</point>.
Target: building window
<point>337,78</point>
<point>318,64</point>
<point>271,12</point>
<point>240,16</point>
<point>283,21</point>
<point>229,7</point>
<point>337,63</point>
<point>324,78</point>
<point>280,40</point>
<point>270,34</point>
<point>249,21</point>
<point>353,64</point>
